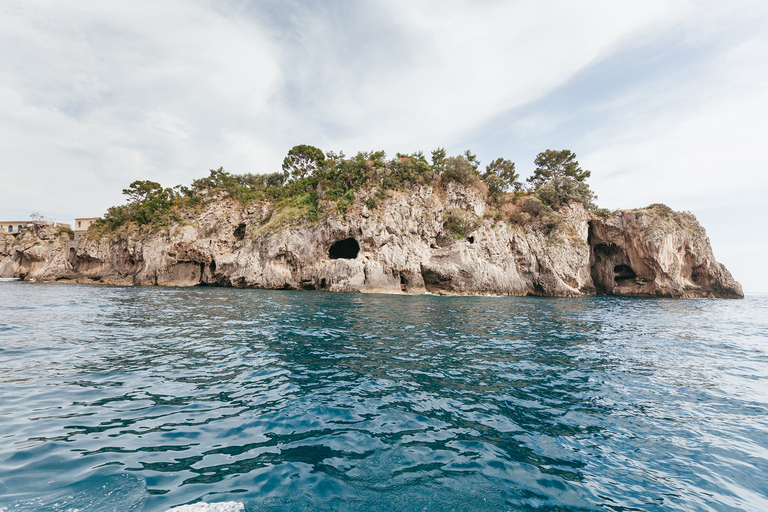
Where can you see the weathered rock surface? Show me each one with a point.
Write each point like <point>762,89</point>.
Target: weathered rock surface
<point>647,253</point>
<point>403,247</point>
<point>37,253</point>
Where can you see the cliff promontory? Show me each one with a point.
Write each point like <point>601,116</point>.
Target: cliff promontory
<point>404,245</point>
<point>437,235</point>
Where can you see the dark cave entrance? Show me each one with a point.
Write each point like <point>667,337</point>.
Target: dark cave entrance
<point>611,268</point>
<point>239,232</point>
<point>347,249</point>
<point>700,276</point>
<point>623,273</point>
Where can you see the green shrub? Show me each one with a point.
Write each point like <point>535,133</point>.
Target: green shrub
<point>551,222</point>
<point>460,170</point>
<point>661,208</point>
<point>544,217</point>
<point>516,217</point>
<point>533,205</point>
<point>602,212</point>
<point>459,224</point>
<point>372,203</point>
<point>561,191</point>
<point>345,202</point>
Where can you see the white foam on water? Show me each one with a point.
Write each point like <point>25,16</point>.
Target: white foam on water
<point>225,506</point>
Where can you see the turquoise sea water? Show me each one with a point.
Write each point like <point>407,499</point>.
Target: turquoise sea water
<point>145,398</point>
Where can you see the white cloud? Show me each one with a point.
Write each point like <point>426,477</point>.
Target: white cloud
<point>707,153</point>
<point>688,140</point>
<point>98,94</point>
<point>459,64</point>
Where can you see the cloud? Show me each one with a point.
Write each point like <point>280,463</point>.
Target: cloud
<point>99,94</point>
<point>426,74</point>
<point>690,135</point>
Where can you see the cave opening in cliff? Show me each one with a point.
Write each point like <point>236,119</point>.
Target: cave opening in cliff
<point>699,276</point>
<point>239,233</point>
<point>346,249</point>
<point>608,266</point>
<point>623,273</point>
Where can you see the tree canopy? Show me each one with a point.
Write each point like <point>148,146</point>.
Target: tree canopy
<point>558,179</point>
<point>302,160</point>
<point>147,201</point>
<point>500,175</point>
<point>139,190</point>
<point>438,160</point>
<point>472,159</point>
<point>552,165</point>
<point>460,169</point>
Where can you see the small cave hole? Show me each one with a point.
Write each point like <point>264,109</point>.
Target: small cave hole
<point>403,283</point>
<point>623,273</point>
<point>699,276</point>
<point>344,249</point>
<point>239,233</point>
<point>471,239</point>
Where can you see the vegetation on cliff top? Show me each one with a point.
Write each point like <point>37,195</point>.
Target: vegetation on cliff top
<point>311,180</point>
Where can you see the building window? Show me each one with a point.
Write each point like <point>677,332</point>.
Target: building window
<point>10,229</point>
<point>19,228</point>
<point>78,223</point>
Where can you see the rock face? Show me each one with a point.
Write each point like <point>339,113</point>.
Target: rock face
<point>406,246</point>
<point>37,253</point>
<point>648,253</point>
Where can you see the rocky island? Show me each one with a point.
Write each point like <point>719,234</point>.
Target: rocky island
<point>367,224</point>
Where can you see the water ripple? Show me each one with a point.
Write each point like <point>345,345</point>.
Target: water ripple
<point>298,401</point>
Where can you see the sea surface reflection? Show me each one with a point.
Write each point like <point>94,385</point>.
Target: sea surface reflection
<point>144,398</point>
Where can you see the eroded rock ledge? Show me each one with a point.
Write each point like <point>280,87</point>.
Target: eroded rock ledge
<point>401,247</point>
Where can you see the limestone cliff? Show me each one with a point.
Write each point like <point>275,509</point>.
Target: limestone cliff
<point>404,245</point>
<point>656,253</point>
<point>38,252</point>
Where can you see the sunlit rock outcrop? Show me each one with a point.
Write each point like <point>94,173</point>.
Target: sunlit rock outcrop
<point>38,252</point>
<point>656,253</point>
<point>402,246</point>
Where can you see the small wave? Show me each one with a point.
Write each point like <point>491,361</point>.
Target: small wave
<point>225,506</point>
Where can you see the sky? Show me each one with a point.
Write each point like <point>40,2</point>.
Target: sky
<point>663,101</point>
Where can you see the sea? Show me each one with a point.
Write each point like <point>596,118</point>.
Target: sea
<point>221,399</point>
